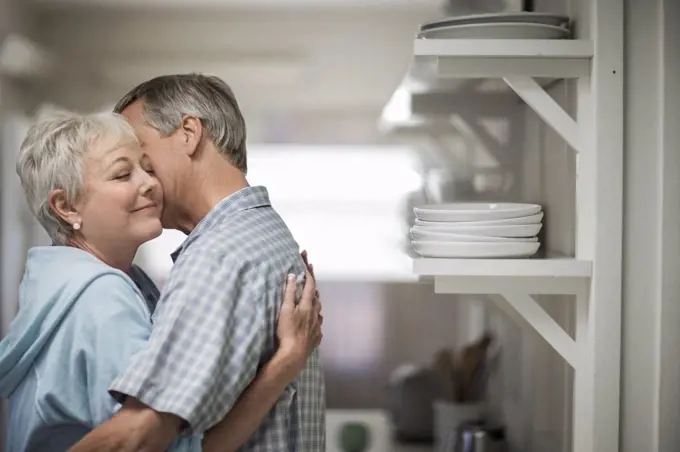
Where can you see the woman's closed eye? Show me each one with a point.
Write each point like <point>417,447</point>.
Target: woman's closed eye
<point>123,176</point>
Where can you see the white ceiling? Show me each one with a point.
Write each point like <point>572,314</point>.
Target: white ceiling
<point>194,4</point>
<point>282,63</point>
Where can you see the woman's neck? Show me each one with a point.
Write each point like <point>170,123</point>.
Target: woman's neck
<point>117,255</point>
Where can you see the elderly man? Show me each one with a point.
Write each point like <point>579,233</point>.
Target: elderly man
<point>215,324</point>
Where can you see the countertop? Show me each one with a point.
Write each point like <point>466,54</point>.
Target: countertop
<point>379,423</point>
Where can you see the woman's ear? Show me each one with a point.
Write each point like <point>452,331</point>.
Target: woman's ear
<point>62,209</point>
<point>191,134</point>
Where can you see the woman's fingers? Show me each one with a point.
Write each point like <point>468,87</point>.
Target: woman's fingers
<point>318,322</point>
<point>289,293</point>
<point>318,337</point>
<point>305,258</point>
<point>300,322</point>
<point>308,292</point>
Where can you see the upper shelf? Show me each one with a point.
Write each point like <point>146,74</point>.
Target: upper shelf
<point>498,58</point>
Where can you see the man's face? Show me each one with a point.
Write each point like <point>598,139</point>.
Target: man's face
<point>166,160</point>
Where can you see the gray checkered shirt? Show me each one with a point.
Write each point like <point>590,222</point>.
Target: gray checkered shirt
<point>215,326</point>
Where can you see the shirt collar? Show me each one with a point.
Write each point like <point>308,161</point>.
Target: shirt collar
<point>244,199</point>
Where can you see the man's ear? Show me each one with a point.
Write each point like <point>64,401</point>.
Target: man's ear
<point>191,134</point>
<point>62,209</point>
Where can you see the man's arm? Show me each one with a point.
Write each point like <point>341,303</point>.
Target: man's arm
<point>135,428</point>
<point>138,428</point>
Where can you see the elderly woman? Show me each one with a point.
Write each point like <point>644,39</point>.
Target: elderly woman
<point>85,309</point>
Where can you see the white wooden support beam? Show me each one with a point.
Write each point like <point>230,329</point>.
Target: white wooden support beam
<point>529,310</point>
<point>583,381</point>
<point>545,106</point>
<point>599,188</point>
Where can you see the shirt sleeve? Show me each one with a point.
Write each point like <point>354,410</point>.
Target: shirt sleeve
<point>208,336</point>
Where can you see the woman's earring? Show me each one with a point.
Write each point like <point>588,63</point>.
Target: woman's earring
<point>76,226</point>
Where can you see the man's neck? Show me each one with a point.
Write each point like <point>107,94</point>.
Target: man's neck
<point>216,183</point>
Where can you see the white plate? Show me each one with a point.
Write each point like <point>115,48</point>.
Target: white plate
<point>508,30</point>
<point>531,219</point>
<point>517,17</point>
<point>475,211</point>
<point>468,250</point>
<point>421,234</point>
<point>512,230</point>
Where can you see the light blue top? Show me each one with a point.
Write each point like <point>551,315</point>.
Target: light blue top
<point>79,323</point>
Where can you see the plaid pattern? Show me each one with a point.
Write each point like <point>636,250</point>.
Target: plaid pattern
<point>215,325</point>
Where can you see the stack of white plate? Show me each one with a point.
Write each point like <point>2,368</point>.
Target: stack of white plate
<point>477,230</point>
<point>517,25</point>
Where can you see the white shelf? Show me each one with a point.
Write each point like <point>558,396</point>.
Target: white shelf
<point>505,48</point>
<point>595,131</point>
<point>447,73</point>
<point>557,275</point>
<point>533,268</point>
<point>486,58</point>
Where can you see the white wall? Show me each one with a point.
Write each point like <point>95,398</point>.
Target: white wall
<point>651,315</point>
<point>14,18</point>
<point>15,100</point>
<point>669,378</point>
<point>641,313</point>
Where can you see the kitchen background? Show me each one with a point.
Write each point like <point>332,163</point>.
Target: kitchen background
<point>317,80</point>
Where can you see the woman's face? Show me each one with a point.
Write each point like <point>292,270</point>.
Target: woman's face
<point>122,199</point>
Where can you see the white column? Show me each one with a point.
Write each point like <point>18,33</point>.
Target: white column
<point>600,212</point>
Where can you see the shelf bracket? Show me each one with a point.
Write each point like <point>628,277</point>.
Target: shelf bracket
<point>545,106</point>
<point>523,308</point>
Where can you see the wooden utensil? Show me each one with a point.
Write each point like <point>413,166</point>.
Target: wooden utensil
<point>444,370</point>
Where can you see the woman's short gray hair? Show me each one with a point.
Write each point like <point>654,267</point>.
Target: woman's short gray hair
<point>51,157</point>
<point>169,97</point>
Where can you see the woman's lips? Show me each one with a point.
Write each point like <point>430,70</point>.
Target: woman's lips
<point>148,207</point>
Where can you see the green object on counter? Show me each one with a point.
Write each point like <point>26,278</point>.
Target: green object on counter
<point>354,437</point>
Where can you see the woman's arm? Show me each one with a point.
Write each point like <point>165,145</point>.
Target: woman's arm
<point>139,428</point>
<point>299,332</point>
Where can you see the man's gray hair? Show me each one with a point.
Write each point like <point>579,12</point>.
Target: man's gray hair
<point>51,157</point>
<point>167,99</point>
